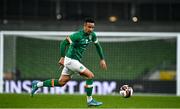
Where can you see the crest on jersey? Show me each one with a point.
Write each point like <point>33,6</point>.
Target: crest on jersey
<point>86,41</point>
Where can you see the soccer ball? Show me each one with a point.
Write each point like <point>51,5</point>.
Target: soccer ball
<point>126,91</point>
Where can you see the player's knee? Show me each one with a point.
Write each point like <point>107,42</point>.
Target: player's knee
<point>91,76</point>
<point>61,82</point>
<point>88,74</point>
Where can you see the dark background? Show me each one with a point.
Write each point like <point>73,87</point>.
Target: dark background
<point>158,15</point>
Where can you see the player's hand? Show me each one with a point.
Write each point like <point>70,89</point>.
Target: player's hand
<point>103,64</point>
<point>68,39</point>
<point>61,61</point>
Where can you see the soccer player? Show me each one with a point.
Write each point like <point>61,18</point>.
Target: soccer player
<point>72,49</point>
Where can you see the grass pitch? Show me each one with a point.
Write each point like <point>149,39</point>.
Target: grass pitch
<point>79,101</point>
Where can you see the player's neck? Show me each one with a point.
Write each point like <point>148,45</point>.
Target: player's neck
<point>86,33</point>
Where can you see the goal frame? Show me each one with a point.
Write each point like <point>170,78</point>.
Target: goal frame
<point>104,37</point>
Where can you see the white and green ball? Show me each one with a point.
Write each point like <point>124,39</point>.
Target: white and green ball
<point>126,91</point>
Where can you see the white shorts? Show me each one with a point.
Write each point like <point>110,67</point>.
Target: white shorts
<point>72,66</point>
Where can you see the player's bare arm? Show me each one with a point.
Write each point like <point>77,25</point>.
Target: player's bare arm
<point>61,61</point>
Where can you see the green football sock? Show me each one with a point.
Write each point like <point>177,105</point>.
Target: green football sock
<point>51,83</point>
<point>88,89</point>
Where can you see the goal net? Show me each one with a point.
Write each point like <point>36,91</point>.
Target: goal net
<point>145,61</point>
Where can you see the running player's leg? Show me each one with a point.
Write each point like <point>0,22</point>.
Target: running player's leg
<point>46,83</point>
<point>89,83</point>
<point>64,78</point>
<point>89,87</point>
<point>76,66</point>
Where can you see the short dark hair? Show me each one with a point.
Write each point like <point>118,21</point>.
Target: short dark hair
<point>90,20</point>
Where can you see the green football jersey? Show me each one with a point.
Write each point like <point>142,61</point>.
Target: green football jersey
<point>80,40</point>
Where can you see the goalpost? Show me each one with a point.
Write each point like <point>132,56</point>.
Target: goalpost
<point>178,66</point>
<point>1,61</point>
<point>103,36</point>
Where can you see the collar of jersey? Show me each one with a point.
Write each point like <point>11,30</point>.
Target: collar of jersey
<point>84,33</point>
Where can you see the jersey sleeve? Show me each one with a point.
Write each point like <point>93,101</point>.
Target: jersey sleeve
<point>98,46</point>
<point>99,50</point>
<point>75,37</point>
<point>94,38</point>
<point>64,44</point>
